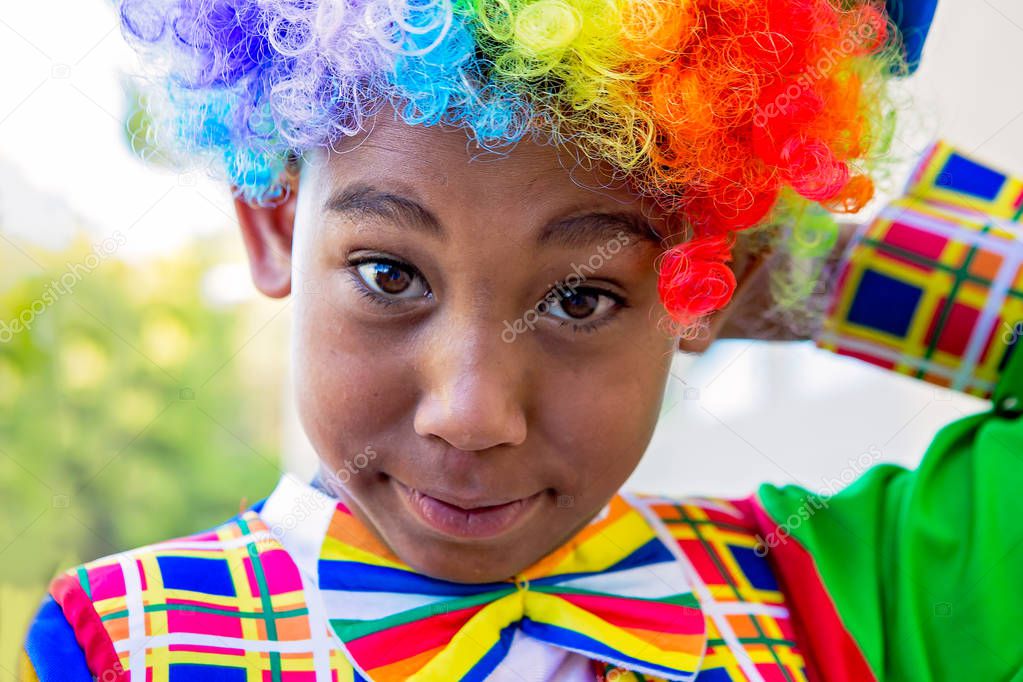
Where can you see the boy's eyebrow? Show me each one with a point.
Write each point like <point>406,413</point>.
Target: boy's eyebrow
<point>368,200</point>
<point>594,228</point>
<point>570,232</point>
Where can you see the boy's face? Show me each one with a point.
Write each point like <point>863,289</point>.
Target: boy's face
<point>469,421</point>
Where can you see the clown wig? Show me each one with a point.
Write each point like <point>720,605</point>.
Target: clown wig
<point>730,114</point>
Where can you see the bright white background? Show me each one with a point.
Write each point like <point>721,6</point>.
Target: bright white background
<point>743,414</point>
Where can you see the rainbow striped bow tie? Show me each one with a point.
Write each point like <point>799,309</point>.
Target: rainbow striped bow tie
<point>614,593</point>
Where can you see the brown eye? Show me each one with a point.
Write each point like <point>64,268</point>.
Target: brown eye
<point>391,279</point>
<point>581,304</point>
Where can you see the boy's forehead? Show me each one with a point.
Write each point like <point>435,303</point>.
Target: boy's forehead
<point>442,153</point>
<point>399,205</point>
<point>427,208</point>
<point>445,165</point>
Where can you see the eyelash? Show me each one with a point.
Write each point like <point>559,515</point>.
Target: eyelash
<point>365,291</point>
<point>589,327</point>
<point>374,297</point>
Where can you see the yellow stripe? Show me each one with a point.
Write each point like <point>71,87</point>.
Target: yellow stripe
<point>336,550</point>
<point>340,663</point>
<point>244,601</point>
<point>155,623</point>
<point>607,546</point>
<point>547,608</point>
<point>927,188</point>
<point>26,671</point>
<point>472,641</point>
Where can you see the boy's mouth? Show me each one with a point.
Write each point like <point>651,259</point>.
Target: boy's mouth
<point>475,519</point>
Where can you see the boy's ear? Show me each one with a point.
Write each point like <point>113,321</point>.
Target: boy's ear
<point>744,317</point>
<point>749,300</point>
<point>268,232</point>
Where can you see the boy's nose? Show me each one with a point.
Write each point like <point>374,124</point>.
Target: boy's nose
<point>472,385</point>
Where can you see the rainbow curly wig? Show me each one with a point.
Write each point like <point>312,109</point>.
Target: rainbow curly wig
<point>731,114</point>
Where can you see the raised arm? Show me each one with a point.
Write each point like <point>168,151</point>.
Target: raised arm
<point>917,574</point>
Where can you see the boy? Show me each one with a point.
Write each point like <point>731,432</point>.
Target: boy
<point>466,523</point>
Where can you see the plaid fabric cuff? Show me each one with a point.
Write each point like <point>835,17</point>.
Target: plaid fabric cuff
<point>933,287</point>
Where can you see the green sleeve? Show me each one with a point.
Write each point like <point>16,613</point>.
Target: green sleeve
<point>925,568</point>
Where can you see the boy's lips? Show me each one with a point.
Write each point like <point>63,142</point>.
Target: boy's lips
<point>475,519</point>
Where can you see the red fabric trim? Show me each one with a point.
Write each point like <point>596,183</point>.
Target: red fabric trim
<point>830,651</point>
<point>92,636</point>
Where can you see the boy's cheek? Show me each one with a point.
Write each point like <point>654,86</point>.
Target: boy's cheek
<point>347,399</point>
<point>601,414</point>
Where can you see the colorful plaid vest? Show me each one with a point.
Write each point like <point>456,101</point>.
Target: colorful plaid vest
<point>231,604</point>
<point>864,594</point>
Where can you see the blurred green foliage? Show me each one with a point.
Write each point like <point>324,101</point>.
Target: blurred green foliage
<point>132,410</point>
